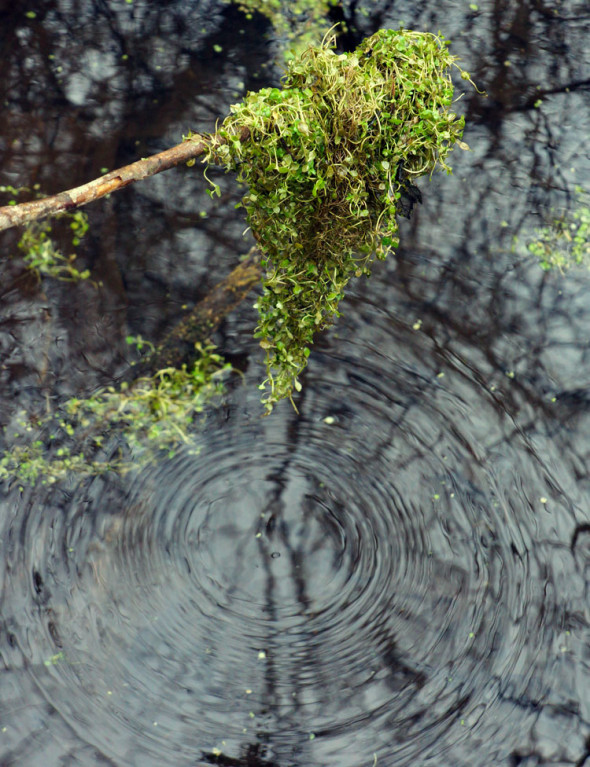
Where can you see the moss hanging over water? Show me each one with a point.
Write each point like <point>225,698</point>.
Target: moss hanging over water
<point>328,158</point>
<point>37,246</point>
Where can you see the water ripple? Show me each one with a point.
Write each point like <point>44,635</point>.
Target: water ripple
<point>370,581</point>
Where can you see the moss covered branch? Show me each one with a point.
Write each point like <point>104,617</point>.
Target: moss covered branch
<point>178,346</point>
<point>328,159</point>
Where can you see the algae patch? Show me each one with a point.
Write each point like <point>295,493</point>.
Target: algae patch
<point>330,156</point>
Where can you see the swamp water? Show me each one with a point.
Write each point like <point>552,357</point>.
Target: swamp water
<point>399,575</point>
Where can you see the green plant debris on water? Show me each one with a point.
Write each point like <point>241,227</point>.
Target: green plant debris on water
<point>152,416</point>
<point>329,157</point>
<point>565,241</point>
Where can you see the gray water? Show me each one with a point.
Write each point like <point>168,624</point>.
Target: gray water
<point>400,574</point>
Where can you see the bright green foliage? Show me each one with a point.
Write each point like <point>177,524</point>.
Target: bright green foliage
<point>154,414</point>
<point>41,255</point>
<point>327,160</point>
<point>566,241</point>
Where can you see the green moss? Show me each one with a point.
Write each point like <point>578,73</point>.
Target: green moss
<point>37,246</point>
<point>329,156</point>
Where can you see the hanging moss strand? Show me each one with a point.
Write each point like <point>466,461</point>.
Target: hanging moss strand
<point>327,160</point>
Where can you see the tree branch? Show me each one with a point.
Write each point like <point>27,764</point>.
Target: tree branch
<point>16,215</point>
<point>178,346</point>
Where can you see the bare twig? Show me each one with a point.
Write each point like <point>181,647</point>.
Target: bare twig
<point>16,215</point>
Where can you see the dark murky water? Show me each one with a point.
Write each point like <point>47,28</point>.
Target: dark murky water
<point>399,576</point>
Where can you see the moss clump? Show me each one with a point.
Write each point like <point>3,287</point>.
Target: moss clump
<point>328,159</point>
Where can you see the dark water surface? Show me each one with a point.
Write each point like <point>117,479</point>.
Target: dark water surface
<point>401,574</point>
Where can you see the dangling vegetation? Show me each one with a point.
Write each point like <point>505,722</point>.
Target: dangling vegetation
<point>41,255</point>
<point>330,155</point>
<point>329,160</point>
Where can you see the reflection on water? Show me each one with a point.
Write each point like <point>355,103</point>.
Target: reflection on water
<point>399,576</point>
